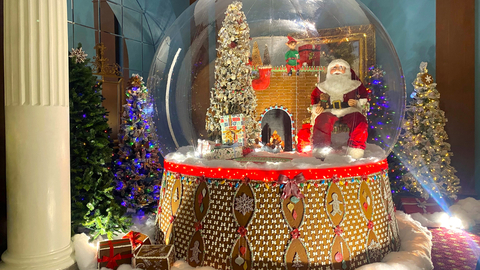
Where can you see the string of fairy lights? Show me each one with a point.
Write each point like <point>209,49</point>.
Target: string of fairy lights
<point>422,155</point>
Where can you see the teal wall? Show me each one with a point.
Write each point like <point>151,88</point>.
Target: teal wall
<point>411,26</point>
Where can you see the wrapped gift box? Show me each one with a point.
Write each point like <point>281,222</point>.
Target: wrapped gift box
<point>310,54</point>
<point>155,257</point>
<point>233,129</point>
<point>225,152</point>
<point>113,253</point>
<point>416,205</point>
<point>137,240</point>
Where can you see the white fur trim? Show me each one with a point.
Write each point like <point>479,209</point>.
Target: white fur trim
<point>321,152</point>
<point>355,153</point>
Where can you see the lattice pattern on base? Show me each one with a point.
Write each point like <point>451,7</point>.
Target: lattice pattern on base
<point>317,230</point>
<point>165,202</point>
<point>355,225</point>
<point>268,232</point>
<point>219,227</point>
<point>380,217</point>
<point>185,221</point>
<point>391,208</point>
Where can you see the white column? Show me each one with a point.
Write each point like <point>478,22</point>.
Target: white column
<point>37,135</point>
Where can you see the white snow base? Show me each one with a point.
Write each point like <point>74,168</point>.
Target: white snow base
<point>414,254</point>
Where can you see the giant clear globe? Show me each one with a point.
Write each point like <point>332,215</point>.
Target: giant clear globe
<point>287,51</point>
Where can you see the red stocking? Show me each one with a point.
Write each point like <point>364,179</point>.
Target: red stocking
<point>263,81</point>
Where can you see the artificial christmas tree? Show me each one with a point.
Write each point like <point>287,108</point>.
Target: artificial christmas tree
<point>266,57</point>
<point>380,114</point>
<point>233,92</point>
<point>93,204</point>
<point>422,147</point>
<point>256,58</point>
<point>137,167</point>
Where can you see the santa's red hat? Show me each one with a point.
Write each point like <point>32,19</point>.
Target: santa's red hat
<point>291,40</point>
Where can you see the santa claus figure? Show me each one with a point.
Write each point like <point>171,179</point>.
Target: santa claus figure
<point>340,97</point>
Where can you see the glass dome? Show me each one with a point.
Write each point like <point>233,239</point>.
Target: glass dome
<point>190,72</point>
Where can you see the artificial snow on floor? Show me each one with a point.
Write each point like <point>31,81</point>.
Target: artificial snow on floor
<point>337,158</point>
<point>463,215</point>
<point>414,254</point>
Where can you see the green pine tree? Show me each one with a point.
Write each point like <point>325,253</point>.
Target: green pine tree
<point>93,204</point>
<point>422,146</point>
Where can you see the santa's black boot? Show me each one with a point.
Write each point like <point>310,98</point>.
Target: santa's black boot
<point>290,73</point>
<point>298,72</point>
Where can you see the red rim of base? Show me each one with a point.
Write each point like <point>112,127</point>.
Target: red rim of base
<point>272,175</point>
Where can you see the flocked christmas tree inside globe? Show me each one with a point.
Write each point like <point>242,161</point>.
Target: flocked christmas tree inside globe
<point>309,79</point>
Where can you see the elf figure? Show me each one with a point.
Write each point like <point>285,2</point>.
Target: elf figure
<point>292,57</point>
<point>346,98</point>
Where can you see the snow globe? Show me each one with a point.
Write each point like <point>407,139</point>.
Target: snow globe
<point>275,119</point>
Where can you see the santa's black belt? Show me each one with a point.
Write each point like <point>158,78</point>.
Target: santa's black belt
<point>337,104</point>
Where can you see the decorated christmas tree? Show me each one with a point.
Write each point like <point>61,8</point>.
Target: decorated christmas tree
<point>379,113</point>
<point>266,57</point>
<point>137,166</point>
<point>422,148</point>
<point>233,92</point>
<point>91,177</point>
<point>256,58</point>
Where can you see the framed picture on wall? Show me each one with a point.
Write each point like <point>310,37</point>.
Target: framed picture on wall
<point>354,44</point>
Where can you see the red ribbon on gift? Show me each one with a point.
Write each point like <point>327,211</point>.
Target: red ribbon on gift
<point>291,185</point>
<point>134,239</point>
<point>112,260</point>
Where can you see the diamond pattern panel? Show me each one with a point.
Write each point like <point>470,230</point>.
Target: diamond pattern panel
<point>219,227</point>
<point>268,232</point>
<point>185,221</point>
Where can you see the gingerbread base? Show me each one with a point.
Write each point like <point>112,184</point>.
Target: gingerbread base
<point>338,218</point>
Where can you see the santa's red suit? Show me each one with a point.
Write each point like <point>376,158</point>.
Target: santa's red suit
<point>341,88</point>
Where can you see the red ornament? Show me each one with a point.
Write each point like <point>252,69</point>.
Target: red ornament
<point>365,206</point>
<point>245,180</point>
<point>233,44</point>
<point>159,209</point>
<point>172,218</point>
<point>200,198</point>
<point>198,226</point>
<point>370,225</point>
<point>201,179</point>
<point>295,234</point>
<point>294,214</point>
<point>335,179</point>
<point>242,250</point>
<point>338,230</point>
<point>242,231</point>
<point>338,257</point>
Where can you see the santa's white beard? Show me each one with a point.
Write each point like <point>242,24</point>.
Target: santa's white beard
<point>336,85</point>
